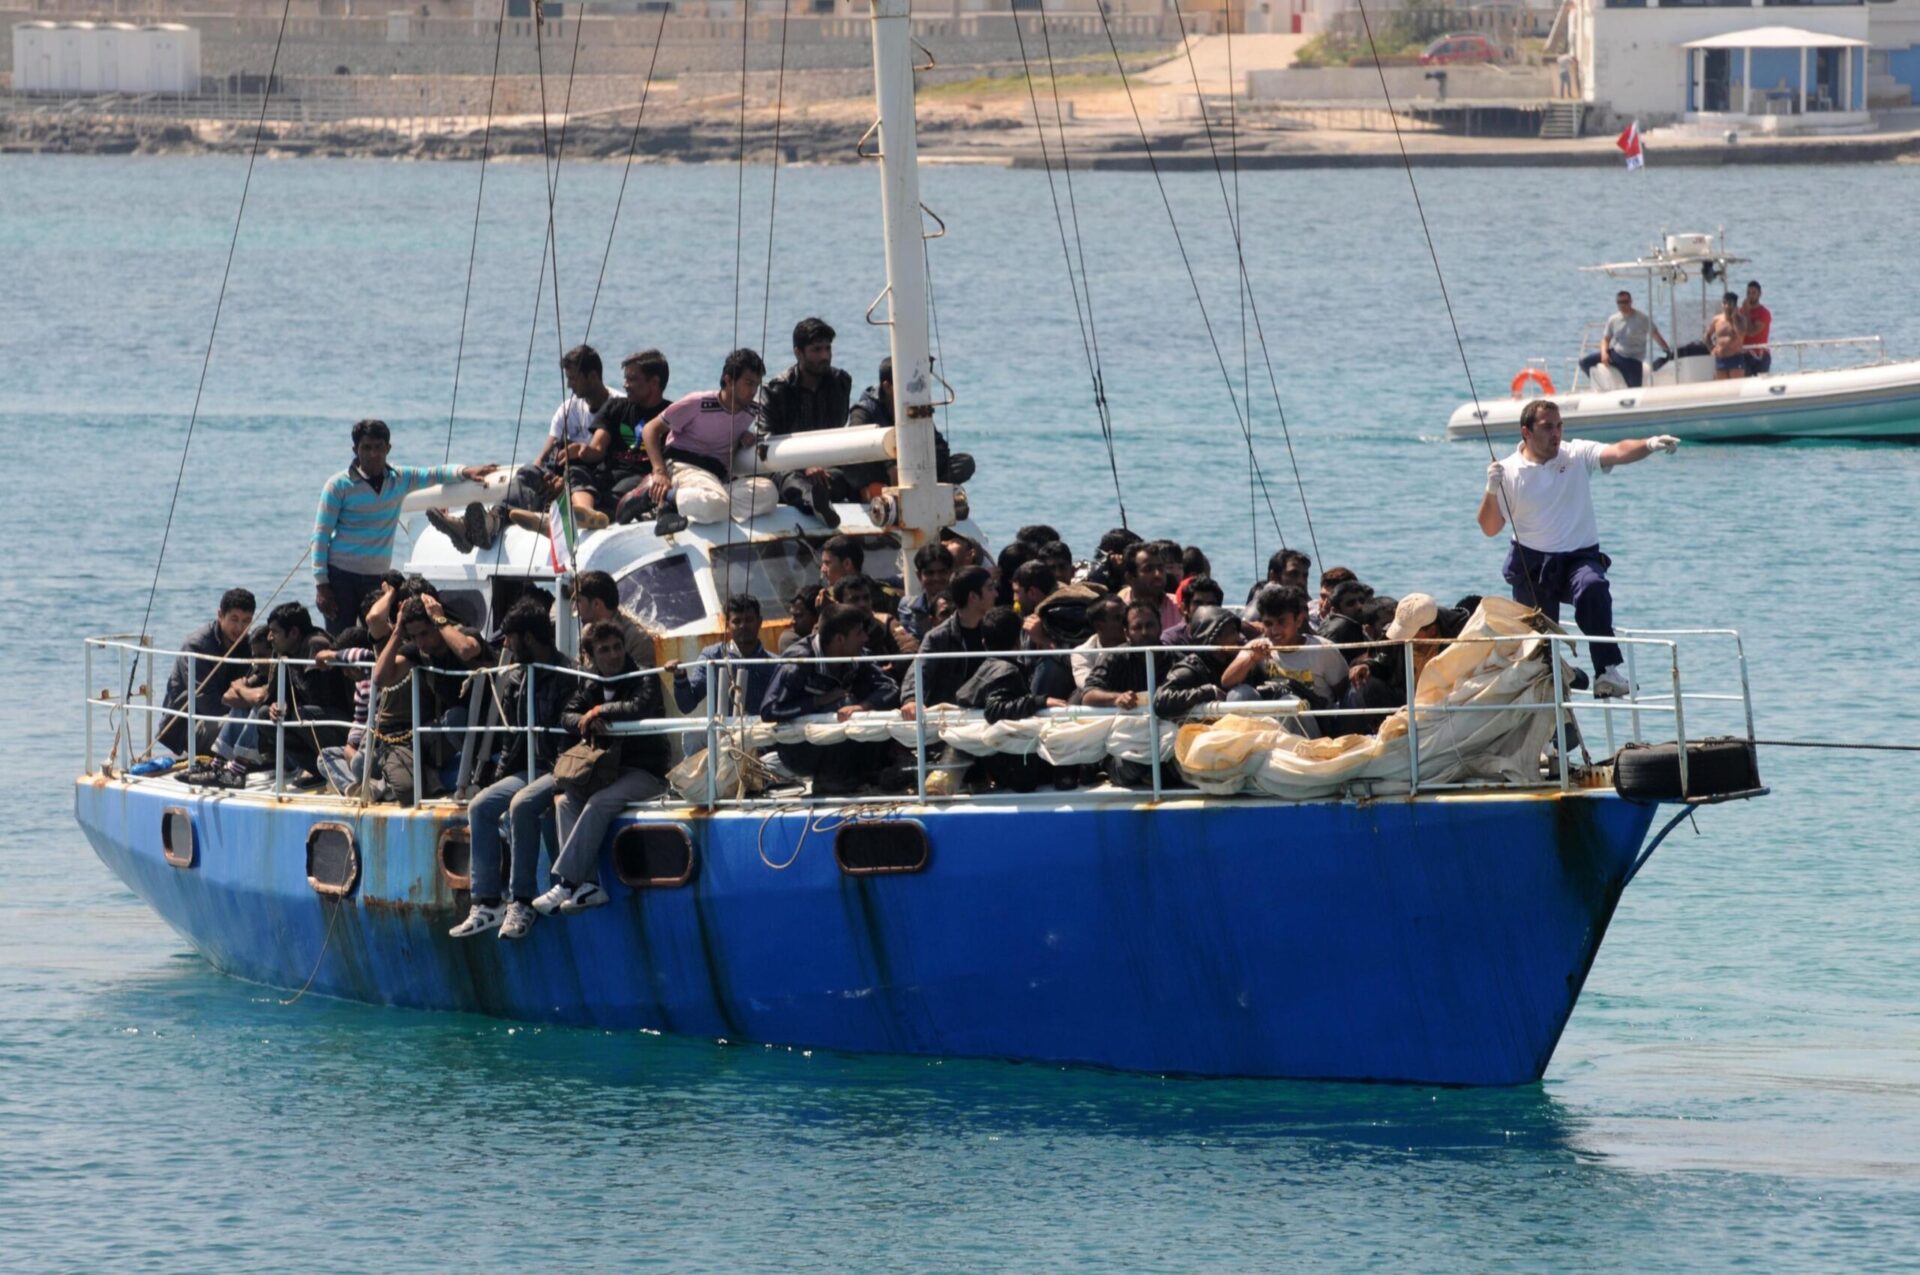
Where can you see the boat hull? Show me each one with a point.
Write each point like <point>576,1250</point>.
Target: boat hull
<point>1881,402</point>
<point>1429,940</point>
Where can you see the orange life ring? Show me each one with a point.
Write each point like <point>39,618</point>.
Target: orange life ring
<point>1533,376</point>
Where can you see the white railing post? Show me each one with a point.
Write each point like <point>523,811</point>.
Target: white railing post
<point>1559,708</point>
<point>1153,715</point>
<point>533,734</point>
<point>1413,724</point>
<point>149,693</point>
<point>413,736</point>
<point>280,725</point>
<point>193,700</point>
<point>713,733</point>
<point>1633,682</point>
<point>1746,691</point>
<point>87,673</point>
<point>920,728</point>
<point>1679,717</point>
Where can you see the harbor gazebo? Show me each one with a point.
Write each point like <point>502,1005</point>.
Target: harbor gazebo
<point>1788,77</point>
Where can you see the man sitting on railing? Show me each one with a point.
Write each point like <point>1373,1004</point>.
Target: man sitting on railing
<point>620,694</point>
<point>808,686</point>
<point>1314,669</point>
<point>425,640</point>
<point>1118,679</point>
<point>746,687</point>
<point>236,747</point>
<point>1194,679</point>
<point>224,635</point>
<point>526,635</point>
<point>972,594</point>
<point>691,447</point>
<point>1003,690</point>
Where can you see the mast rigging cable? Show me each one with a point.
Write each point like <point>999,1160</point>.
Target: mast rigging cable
<point>206,361</point>
<point>473,244</point>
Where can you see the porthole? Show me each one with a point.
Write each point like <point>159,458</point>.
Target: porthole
<point>177,837</point>
<point>456,857</point>
<point>877,847</point>
<point>333,861</point>
<point>653,856</point>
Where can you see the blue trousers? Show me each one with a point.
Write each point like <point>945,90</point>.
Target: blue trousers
<point>1545,580</point>
<point>526,806</point>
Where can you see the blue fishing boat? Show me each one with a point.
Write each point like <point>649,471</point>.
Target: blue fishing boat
<point>1421,904</point>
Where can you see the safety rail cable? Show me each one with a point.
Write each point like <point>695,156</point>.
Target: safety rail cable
<point>473,242</point>
<point>1193,279</point>
<point>626,171</point>
<point>213,331</point>
<point>720,671</point>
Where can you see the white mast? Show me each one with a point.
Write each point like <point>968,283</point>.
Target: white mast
<point>921,504</point>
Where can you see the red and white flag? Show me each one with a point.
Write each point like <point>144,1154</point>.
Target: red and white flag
<point>1629,144</point>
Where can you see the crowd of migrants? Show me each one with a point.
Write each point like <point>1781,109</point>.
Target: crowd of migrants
<point>388,677</point>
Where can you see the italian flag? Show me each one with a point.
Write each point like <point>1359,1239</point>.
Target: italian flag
<point>562,531</point>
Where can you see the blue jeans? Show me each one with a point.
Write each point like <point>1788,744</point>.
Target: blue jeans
<point>240,741</point>
<point>1632,371</point>
<point>525,805</point>
<point>1545,580</point>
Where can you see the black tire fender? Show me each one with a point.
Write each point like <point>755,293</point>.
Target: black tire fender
<point>1715,767</point>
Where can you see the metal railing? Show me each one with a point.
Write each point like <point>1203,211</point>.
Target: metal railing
<point>1654,652</point>
<point>1874,350</point>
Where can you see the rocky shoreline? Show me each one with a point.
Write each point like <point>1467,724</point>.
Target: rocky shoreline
<point>962,132</point>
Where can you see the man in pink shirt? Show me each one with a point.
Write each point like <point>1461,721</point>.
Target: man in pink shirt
<point>691,446</point>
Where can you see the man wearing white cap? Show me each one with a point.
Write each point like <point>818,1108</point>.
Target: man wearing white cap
<point>1417,617</point>
<point>1555,553</point>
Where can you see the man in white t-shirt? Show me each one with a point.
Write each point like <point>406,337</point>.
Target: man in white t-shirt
<point>1555,555</point>
<point>587,393</point>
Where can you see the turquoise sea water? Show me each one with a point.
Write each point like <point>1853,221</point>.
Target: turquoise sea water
<point>1740,1084</point>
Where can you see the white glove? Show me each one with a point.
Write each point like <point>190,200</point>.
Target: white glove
<point>1495,473</point>
<point>1664,443</point>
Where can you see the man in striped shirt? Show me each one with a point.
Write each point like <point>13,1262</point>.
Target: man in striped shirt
<point>359,512</point>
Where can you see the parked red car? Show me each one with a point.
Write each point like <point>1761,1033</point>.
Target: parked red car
<point>1464,48</point>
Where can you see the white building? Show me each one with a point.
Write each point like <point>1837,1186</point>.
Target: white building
<point>1760,67</point>
<point>79,59</point>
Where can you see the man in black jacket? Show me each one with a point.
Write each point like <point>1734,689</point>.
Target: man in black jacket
<point>618,694</point>
<point>1003,690</point>
<point>972,594</point>
<point>223,636</point>
<point>527,638</point>
<point>1194,680</point>
<point>809,686</point>
<point>812,394</point>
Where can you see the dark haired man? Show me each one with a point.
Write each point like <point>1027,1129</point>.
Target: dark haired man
<point>808,686</point>
<point>1726,337</point>
<point>1107,615</point>
<point>427,644</point>
<point>612,462</point>
<point>1002,688</point>
<point>1544,486</point>
<point>359,512</point>
<point>587,393</point>
<point>812,394</point>
<point>596,600</point>
<point>840,557</point>
<point>526,636</point>
<point>691,445</point>
<point>1200,591</point>
<point>958,634</point>
<point>1757,321</point>
<point>746,687</point>
<point>875,407</point>
<point>619,696</point>
<point>1147,582</point>
<point>1285,658</point>
<point>1109,569</point>
<point>313,694</point>
<point>223,637</point>
<point>1345,610</point>
<point>933,565</point>
<point>1033,535</point>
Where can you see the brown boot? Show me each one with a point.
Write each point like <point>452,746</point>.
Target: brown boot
<point>528,519</point>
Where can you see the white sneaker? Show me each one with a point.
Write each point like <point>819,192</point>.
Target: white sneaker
<point>553,900</point>
<point>568,899</point>
<point>519,920</point>
<point>1612,684</point>
<point>587,894</point>
<point>480,919</point>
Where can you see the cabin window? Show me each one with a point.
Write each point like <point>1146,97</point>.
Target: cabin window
<point>653,856</point>
<point>663,593</point>
<point>333,861</point>
<point>176,837</point>
<point>771,570</point>
<point>877,847</point>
